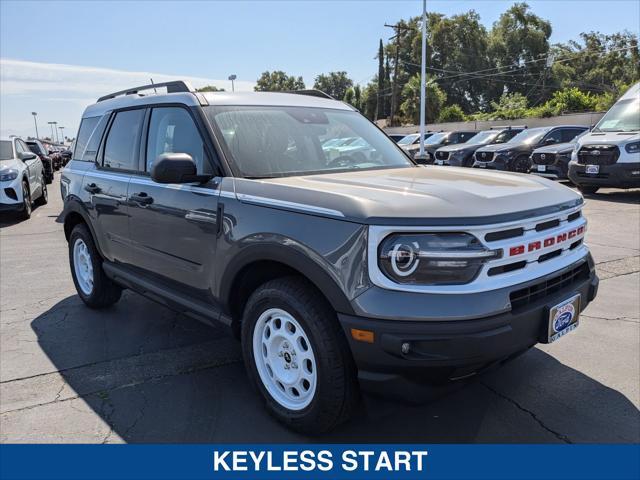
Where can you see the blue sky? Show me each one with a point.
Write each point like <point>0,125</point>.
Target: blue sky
<point>107,45</point>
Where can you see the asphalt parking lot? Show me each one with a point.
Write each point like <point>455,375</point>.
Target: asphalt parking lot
<point>141,373</point>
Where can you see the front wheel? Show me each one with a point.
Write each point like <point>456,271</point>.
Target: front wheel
<point>44,198</point>
<point>588,189</point>
<point>521,164</point>
<point>26,201</point>
<point>297,357</point>
<point>94,288</point>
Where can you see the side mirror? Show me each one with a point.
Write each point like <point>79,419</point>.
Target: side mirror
<point>550,141</point>
<point>24,156</point>
<point>176,168</point>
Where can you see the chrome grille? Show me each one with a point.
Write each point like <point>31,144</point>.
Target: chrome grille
<point>544,158</point>
<point>484,156</point>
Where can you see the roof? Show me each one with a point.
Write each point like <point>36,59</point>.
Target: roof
<point>216,98</point>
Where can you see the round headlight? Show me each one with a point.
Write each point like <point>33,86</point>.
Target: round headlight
<point>404,258</point>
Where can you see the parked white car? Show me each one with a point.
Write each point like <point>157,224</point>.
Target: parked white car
<point>21,178</point>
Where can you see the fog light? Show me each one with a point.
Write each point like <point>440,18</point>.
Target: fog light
<point>405,348</point>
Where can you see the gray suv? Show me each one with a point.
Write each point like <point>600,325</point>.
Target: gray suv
<point>361,270</point>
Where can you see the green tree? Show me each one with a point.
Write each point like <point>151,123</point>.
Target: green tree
<point>519,45</point>
<point>210,88</point>
<point>369,100</point>
<point>509,107</point>
<point>435,100</point>
<point>452,113</point>
<point>335,84</point>
<point>278,81</point>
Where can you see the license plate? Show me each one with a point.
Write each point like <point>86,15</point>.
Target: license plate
<point>593,169</point>
<point>563,318</point>
<point>439,162</point>
<point>482,165</point>
<point>542,168</point>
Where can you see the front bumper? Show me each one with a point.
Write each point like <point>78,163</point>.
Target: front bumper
<point>441,351</point>
<point>555,172</point>
<point>618,175</point>
<point>11,195</point>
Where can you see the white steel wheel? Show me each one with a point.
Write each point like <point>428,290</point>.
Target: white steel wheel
<point>284,359</point>
<point>83,267</point>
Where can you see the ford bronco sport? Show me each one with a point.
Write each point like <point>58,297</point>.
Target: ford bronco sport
<point>337,273</point>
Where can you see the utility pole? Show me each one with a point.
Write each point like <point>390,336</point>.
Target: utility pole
<point>399,29</point>
<point>35,121</point>
<point>232,78</point>
<point>379,101</point>
<point>423,79</point>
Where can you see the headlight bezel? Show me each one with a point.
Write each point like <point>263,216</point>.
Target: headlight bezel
<point>9,175</point>
<point>635,145</point>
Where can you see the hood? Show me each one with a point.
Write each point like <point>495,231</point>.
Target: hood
<point>609,138</point>
<point>413,196</point>
<point>10,164</point>
<point>461,146</point>
<point>497,147</point>
<point>556,148</point>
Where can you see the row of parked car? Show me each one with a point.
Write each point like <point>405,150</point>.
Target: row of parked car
<point>604,156</point>
<point>26,168</point>
<point>544,151</point>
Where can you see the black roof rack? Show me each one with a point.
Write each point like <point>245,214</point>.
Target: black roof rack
<point>172,87</point>
<point>311,93</point>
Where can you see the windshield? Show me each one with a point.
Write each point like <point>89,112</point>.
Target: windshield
<point>409,139</point>
<point>272,141</point>
<point>529,136</point>
<point>6,151</point>
<point>624,116</point>
<point>436,138</point>
<point>483,137</point>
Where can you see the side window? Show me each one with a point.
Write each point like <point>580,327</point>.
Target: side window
<point>91,149</point>
<point>121,146</point>
<point>19,148</point>
<point>569,134</point>
<point>172,130</point>
<point>555,135</point>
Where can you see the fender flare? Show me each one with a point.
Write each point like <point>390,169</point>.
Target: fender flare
<point>73,204</point>
<point>291,258</point>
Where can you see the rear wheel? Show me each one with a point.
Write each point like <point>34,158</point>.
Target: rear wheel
<point>588,189</point>
<point>26,200</point>
<point>297,357</point>
<point>94,288</point>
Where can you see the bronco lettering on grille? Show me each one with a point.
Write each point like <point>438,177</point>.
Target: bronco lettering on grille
<point>547,242</point>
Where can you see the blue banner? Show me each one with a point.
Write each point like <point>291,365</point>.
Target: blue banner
<point>314,461</point>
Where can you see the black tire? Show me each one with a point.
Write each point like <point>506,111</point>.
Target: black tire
<point>588,189</point>
<point>26,200</point>
<point>44,198</point>
<point>521,164</point>
<point>336,392</point>
<point>104,292</point>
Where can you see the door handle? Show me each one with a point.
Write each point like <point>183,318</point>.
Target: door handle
<point>142,198</point>
<point>92,188</point>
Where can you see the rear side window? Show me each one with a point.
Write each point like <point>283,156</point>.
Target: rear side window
<point>6,151</point>
<point>121,147</point>
<point>87,126</point>
<point>569,134</point>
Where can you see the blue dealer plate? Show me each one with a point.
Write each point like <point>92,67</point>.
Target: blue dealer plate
<point>563,318</point>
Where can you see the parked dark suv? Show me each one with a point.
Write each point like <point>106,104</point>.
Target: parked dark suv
<point>362,270</point>
<point>436,141</point>
<point>552,161</point>
<point>47,163</point>
<point>515,155</point>
<point>461,155</point>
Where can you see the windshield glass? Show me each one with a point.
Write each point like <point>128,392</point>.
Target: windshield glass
<point>409,139</point>
<point>624,116</point>
<point>530,135</point>
<point>6,152</point>
<point>483,137</point>
<point>272,141</point>
<point>436,138</point>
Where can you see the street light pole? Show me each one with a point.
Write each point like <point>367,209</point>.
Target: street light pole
<point>62,133</point>
<point>423,80</point>
<point>232,78</point>
<point>52,134</point>
<point>35,121</point>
